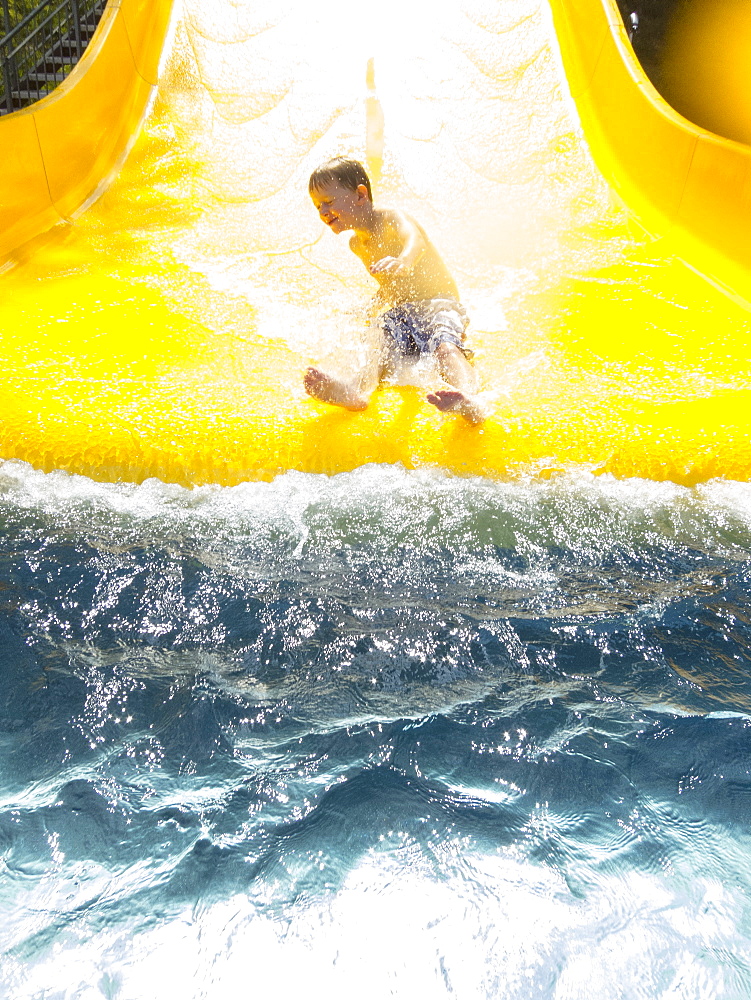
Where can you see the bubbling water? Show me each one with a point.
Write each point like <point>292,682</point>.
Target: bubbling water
<point>372,731</point>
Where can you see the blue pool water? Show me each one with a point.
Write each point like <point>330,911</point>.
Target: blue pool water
<point>386,734</point>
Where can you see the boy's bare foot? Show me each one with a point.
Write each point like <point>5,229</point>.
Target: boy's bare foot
<point>333,390</point>
<point>455,401</point>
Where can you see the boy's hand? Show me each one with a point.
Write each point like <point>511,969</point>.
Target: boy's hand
<point>388,265</point>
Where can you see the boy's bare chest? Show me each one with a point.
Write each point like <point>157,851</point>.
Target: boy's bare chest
<point>386,244</point>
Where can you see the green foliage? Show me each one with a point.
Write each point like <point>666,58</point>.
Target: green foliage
<point>15,11</point>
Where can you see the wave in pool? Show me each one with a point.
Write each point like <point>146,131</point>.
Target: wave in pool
<point>388,732</point>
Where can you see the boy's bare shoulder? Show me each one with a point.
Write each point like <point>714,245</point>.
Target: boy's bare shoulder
<point>394,219</point>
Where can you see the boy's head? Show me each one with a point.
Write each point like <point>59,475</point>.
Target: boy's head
<point>349,173</point>
<point>340,189</point>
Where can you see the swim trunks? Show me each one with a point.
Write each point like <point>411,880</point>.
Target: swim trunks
<point>419,327</point>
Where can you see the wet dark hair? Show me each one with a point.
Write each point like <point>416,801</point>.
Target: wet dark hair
<point>349,173</point>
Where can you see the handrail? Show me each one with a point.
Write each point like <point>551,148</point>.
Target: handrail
<point>26,20</point>
<point>30,17</point>
<point>37,53</point>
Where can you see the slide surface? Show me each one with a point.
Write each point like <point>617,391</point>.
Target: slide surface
<point>165,332</point>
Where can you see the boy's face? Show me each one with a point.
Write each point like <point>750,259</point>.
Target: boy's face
<point>340,207</point>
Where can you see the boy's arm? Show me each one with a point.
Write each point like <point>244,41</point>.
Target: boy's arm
<point>412,243</point>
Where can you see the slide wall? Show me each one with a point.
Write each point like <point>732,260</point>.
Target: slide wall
<point>681,181</point>
<point>61,151</point>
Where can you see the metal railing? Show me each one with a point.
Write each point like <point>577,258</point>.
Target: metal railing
<point>40,45</point>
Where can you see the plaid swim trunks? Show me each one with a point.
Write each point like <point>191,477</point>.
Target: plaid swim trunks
<point>419,327</point>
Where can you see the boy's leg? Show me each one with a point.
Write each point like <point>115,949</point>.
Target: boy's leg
<point>455,368</point>
<point>458,372</point>
<point>330,389</point>
<point>352,394</point>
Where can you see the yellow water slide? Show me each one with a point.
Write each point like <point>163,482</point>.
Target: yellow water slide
<point>164,331</point>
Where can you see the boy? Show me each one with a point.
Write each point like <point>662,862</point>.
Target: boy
<point>422,312</point>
